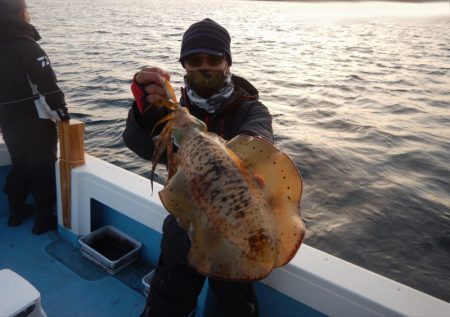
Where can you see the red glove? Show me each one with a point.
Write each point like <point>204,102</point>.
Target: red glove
<point>149,115</point>
<point>139,95</point>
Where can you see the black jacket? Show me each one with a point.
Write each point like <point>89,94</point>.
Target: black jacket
<point>30,99</point>
<point>242,113</point>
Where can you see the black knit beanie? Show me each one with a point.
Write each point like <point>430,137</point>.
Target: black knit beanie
<point>207,37</point>
<point>11,6</point>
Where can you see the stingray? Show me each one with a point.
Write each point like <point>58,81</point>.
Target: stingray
<point>238,201</point>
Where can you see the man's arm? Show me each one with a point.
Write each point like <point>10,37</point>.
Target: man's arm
<point>258,122</point>
<point>43,81</point>
<point>138,128</point>
<point>143,116</point>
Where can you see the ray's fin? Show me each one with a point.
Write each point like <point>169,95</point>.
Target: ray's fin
<point>177,199</point>
<point>280,180</point>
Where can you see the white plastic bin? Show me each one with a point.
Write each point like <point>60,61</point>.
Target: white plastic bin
<point>110,248</point>
<point>18,297</point>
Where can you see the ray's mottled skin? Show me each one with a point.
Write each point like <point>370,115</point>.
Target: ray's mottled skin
<point>224,192</point>
<point>239,201</point>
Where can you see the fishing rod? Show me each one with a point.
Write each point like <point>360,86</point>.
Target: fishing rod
<point>34,97</point>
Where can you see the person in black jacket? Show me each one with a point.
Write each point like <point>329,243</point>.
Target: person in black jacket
<point>30,103</point>
<point>229,106</point>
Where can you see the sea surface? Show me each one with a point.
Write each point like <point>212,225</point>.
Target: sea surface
<point>359,92</point>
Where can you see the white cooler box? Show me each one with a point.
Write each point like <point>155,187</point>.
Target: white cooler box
<point>18,297</point>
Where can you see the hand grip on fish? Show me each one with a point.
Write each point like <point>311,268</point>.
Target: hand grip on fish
<point>170,92</point>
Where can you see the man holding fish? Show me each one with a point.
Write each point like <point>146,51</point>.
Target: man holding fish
<point>191,248</point>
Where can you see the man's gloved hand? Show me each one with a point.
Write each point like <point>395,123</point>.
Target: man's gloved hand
<point>147,89</point>
<point>139,95</point>
<point>63,114</point>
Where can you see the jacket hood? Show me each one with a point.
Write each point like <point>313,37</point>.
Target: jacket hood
<point>17,28</point>
<point>245,85</point>
<point>243,91</point>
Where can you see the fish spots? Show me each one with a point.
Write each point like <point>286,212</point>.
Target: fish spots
<point>258,241</point>
<point>237,221</point>
<point>239,215</point>
<point>213,168</point>
<point>237,232</point>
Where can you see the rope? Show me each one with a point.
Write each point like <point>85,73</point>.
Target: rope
<point>34,97</point>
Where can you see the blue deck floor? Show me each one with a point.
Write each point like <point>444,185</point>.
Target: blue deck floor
<point>69,284</point>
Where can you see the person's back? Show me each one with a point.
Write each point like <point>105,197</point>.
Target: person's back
<point>30,103</point>
<point>23,66</point>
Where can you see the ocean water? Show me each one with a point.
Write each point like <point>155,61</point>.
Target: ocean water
<point>359,92</point>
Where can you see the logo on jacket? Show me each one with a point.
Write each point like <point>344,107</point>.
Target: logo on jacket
<point>44,61</point>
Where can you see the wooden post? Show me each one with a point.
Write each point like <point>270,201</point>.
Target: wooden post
<point>71,147</point>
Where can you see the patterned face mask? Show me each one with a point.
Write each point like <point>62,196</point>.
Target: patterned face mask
<point>205,82</point>
<point>212,103</point>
